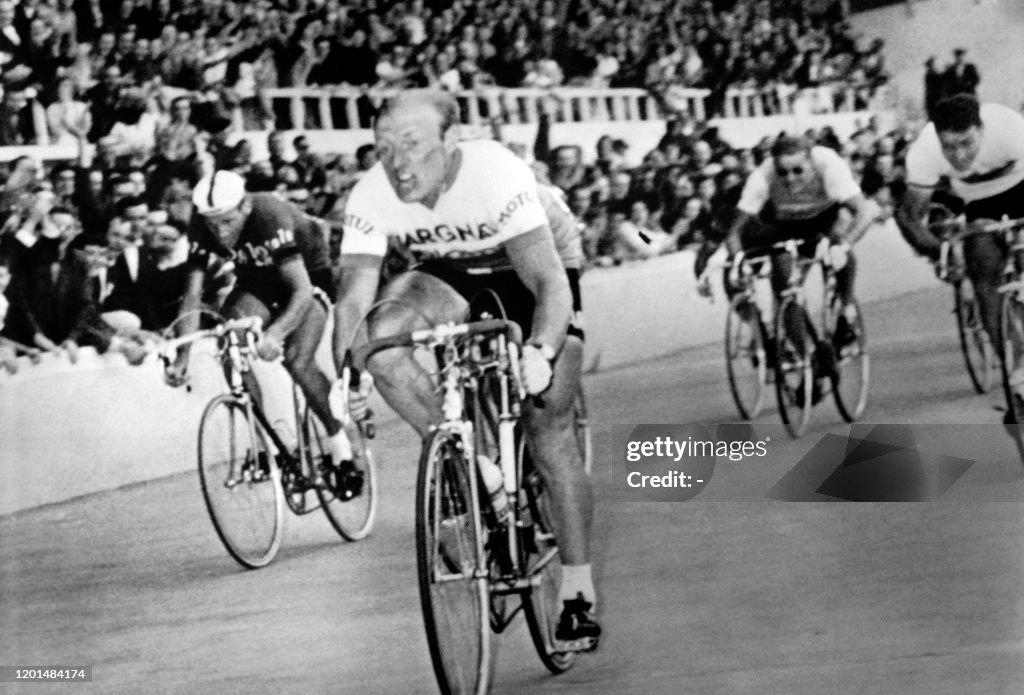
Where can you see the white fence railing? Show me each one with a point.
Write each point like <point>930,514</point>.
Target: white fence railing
<point>348,108</point>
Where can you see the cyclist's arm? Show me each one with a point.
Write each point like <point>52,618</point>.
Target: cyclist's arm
<point>293,272</point>
<point>190,302</point>
<point>535,260</point>
<point>910,218</point>
<point>359,275</point>
<point>863,218</point>
<point>754,197</point>
<point>733,238</point>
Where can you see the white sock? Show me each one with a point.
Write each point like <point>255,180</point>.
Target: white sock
<point>576,579</point>
<point>340,446</point>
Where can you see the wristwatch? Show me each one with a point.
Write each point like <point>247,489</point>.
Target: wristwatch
<point>545,350</point>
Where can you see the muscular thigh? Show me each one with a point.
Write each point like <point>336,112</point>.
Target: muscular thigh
<point>302,344</point>
<point>414,300</point>
<point>241,304</point>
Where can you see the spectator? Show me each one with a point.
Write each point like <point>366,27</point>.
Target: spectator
<point>309,166</point>
<point>16,126</point>
<point>934,86</point>
<point>163,274</point>
<point>961,77</point>
<point>66,117</point>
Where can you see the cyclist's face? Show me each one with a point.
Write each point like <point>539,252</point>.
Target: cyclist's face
<point>960,149</point>
<point>227,226</point>
<point>415,154</point>
<point>794,170</point>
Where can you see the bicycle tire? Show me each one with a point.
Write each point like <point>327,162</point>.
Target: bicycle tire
<point>453,568</point>
<point>352,519</point>
<point>852,365</point>
<point>979,355</point>
<point>248,515</point>
<point>1011,314</point>
<point>743,352</point>
<point>541,602</point>
<point>794,369</point>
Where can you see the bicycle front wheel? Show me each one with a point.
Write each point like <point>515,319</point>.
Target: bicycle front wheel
<point>240,483</point>
<point>794,366</point>
<point>453,570</point>
<point>1012,327</point>
<point>979,356</point>
<point>851,375</point>
<point>352,519</point>
<point>745,356</point>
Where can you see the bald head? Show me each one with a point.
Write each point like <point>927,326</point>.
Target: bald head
<point>420,102</point>
<point>416,143</point>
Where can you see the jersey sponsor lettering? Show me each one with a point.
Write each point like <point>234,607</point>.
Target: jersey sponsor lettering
<point>445,234</point>
<point>509,209</point>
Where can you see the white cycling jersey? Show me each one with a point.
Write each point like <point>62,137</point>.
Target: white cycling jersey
<point>566,229</point>
<point>493,199</point>
<point>998,167</point>
<point>833,183</point>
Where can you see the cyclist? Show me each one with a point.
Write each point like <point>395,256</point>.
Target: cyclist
<point>283,275</point>
<point>980,148</point>
<point>798,193</point>
<point>469,213</point>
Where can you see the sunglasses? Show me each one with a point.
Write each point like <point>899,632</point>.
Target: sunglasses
<point>784,172</point>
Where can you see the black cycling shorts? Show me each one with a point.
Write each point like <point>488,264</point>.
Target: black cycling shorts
<point>773,230</point>
<point>1009,203</point>
<point>516,300</point>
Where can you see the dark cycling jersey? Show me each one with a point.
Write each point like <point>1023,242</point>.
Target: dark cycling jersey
<point>274,232</point>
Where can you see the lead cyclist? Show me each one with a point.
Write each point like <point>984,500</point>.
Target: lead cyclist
<point>470,213</point>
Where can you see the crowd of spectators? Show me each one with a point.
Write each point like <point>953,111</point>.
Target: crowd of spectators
<point>94,252</point>
<point>685,191</point>
<point>94,64</point>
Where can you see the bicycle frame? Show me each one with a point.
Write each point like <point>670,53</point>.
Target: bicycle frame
<point>798,275</point>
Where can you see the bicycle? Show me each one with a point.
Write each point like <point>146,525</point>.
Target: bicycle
<point>474,557</point>
<point>807,354</point>
<point>975,343</point>
<point>247,470</point>
<point>1011,318</point>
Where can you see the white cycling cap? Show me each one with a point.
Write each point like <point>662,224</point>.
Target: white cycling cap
<point>218,193</point>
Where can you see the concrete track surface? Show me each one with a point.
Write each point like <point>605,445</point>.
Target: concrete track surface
<point>709,596</point>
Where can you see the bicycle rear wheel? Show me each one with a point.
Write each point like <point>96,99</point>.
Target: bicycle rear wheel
<point>544,569</point>
<point>352,519</point>
<point>240,482</point>
<point>851,375</point>
<point>979,356</point>
<point>794,366</point>
<point>452,567</point>
<point>1012,349</point>
<point>745,356</point>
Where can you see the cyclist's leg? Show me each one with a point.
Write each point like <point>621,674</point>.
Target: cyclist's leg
<point>984,258</point>
<point>420,300</point>
<point>300,361</point>
<point>553,447</point>
<point>241,304</point>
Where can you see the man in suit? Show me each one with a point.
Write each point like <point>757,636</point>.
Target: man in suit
<point>961,77</point>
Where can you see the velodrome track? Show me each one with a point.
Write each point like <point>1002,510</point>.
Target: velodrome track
<point>731,593</point>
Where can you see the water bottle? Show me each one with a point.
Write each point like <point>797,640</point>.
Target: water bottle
<point>494,482</point>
